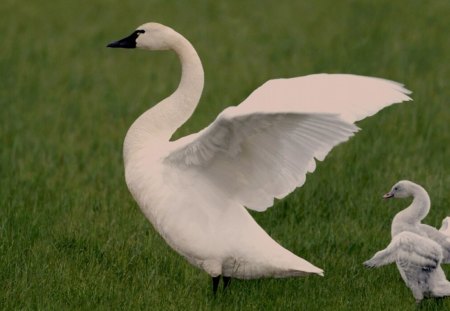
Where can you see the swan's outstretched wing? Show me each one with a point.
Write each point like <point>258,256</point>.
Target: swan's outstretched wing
<point>263,148</point>
<point>409,250</point>
<point>350,96</point>
<point>254,158</point>
<point>440,238</point>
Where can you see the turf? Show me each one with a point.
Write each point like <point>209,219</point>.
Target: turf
<point>71,237</point>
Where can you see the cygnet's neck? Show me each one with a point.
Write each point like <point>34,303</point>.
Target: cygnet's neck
<point>413,214</point>
<point>157,125</point>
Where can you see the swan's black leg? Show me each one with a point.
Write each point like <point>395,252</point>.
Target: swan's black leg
<point>226,282</point>
<point>215,282</point>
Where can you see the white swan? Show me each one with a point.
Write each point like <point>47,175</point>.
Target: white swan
<point>417,249</point>
<point>194,190</point>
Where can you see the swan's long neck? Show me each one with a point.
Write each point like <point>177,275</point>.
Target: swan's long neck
<point>158,124</point>
<point>418,209</point>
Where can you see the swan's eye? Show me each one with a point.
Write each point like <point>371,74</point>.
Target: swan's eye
<point>396,188</point>
<point>139,31</point>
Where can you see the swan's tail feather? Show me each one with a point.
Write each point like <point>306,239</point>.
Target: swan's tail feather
<point>298,266</point>
<point>297,272</point>
<point>289,264</point>
<point>294,272</point>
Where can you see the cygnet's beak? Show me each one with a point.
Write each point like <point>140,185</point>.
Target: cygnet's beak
<point>126,43</point>
<point>388,195</point>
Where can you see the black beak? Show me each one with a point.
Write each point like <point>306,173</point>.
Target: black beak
<point>126,43</point>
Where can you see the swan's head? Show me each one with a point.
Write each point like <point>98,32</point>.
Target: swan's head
<point>402,189</point>
<point>150,36</point>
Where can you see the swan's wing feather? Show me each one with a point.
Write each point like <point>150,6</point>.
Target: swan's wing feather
<point>410,250</point>
<point>353,97</point>
<point>256,157</point>
<point>263,148</point>
<point>440,238</point>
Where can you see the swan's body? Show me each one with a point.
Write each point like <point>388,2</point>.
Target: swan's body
<point>417,249</point>
<point>195,190</point>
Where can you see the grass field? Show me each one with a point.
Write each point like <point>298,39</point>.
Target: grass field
<point>72,238</point>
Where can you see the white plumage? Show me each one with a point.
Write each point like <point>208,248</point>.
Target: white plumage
<point>417,249</point>
<point>445,228</point>
<point>195,190</point>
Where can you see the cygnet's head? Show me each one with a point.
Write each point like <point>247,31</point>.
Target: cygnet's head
<point>402,189</point>
<point>151,36</point>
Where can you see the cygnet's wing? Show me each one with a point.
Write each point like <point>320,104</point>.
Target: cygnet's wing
<point>263,148</point>
<point>445,228</point>
<point>439,237</point>
<point>409,250</point>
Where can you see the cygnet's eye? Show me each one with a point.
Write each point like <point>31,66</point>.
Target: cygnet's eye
<point>395,188</point>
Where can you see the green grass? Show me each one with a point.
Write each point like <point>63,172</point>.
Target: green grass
<point>71,237</point>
